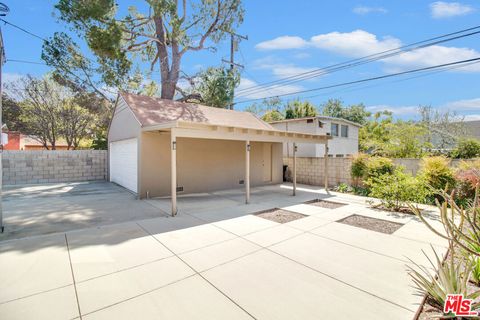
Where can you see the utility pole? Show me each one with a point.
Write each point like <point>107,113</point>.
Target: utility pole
<point>234,40</point>
<point>3,12</point>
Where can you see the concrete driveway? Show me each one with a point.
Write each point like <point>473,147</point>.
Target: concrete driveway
<point>31,210</point>
<point>217,261</point>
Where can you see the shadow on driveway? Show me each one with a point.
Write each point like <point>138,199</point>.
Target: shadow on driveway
<point>44,209</point>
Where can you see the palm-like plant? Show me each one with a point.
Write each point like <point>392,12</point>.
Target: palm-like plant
<point>449,277</point>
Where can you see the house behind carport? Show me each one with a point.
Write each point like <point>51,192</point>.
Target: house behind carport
<point>210,148</point>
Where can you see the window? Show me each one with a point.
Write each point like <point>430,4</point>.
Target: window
<point>320,124</point>
<point>339,156</point>
<point>344,132</point>
<point>334,130</point>
<point>309,120</point>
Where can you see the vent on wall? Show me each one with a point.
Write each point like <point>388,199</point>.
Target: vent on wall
<point>179,189</point>
<point>241,182</point>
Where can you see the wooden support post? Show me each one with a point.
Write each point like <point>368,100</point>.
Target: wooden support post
<point>247,172</point>
<point>173,147</point>
<point>294,168</point>
<point>326,166</point>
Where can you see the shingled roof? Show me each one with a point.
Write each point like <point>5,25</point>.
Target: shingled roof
<point>151,111</point>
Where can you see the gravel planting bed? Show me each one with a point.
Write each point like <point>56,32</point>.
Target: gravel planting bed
<point>279,215</point>
<point>325,204</point>
<point>373,224</point>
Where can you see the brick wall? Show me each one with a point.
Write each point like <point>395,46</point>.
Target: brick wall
<point>312,170</point>
<point>44,166</point>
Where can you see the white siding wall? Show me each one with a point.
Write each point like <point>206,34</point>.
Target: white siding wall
<point>337,146</point>
<point>304,149</point>
<point>340,145</point>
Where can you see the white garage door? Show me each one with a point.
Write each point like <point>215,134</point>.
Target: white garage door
<point>123,163</point>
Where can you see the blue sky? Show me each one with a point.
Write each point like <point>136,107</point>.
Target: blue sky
<point>288,37</point>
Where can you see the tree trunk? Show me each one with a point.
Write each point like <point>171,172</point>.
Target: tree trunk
<point>168,89</point>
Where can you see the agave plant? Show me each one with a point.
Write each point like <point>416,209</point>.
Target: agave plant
<point>474,261</point>
<point>449,277</point>
<point>475,265</point>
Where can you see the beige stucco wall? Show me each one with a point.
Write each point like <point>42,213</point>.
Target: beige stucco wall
<point>203,165</point>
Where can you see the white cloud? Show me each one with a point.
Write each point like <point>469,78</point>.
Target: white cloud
<point>278,68</point>
<point>436,55</point>
<point>441,9</point>
<point>360,43</point>
<point>281,43</point>
<point>302,55</point>
<point>357,43</point>
<point>284,70</point>
<point>362,10</point>
<point>463,105</point>
<point>459,106</point>
<point>246,83</point>
<point>472,117</point>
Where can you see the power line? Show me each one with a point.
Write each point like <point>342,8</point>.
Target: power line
<point>369,79</point>
<point>368,56</point>
<point>329,70</point>
<point>24,30</point>
<point>360,61</point>
<point>356,87</point>
<point>26,61</point>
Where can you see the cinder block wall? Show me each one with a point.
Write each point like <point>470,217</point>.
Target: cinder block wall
<point>312,170</point>
<point>44,166</point>
<point>413,165</point>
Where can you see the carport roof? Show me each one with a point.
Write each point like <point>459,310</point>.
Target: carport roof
<point>151,111</point>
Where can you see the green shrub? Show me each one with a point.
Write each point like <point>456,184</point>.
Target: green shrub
<point>436,173</point>
<point>396,190</point>
<point>359,166</point>
<point>361,191</point>
<point>378,166</point>
<point>343,188</point>
<point>467,149</point>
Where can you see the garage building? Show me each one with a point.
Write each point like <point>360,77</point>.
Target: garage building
<point>210,148</point>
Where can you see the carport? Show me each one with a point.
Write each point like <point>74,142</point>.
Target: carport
<point>182,129</point>
<point>159,147</point>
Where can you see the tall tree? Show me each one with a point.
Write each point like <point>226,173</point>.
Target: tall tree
<point>300,109</point>
<point>214,87</point>
<point>41,103</point>
<point>273,115</point>
<point>356,113</point>
<point>160,36</point>
<point>444,128</point>
<point>11,114</point>
<point>407,140</point>
<point>398,139</point>
<point>77,123</point>
<point>50,111</point>
<point>375,134</point>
